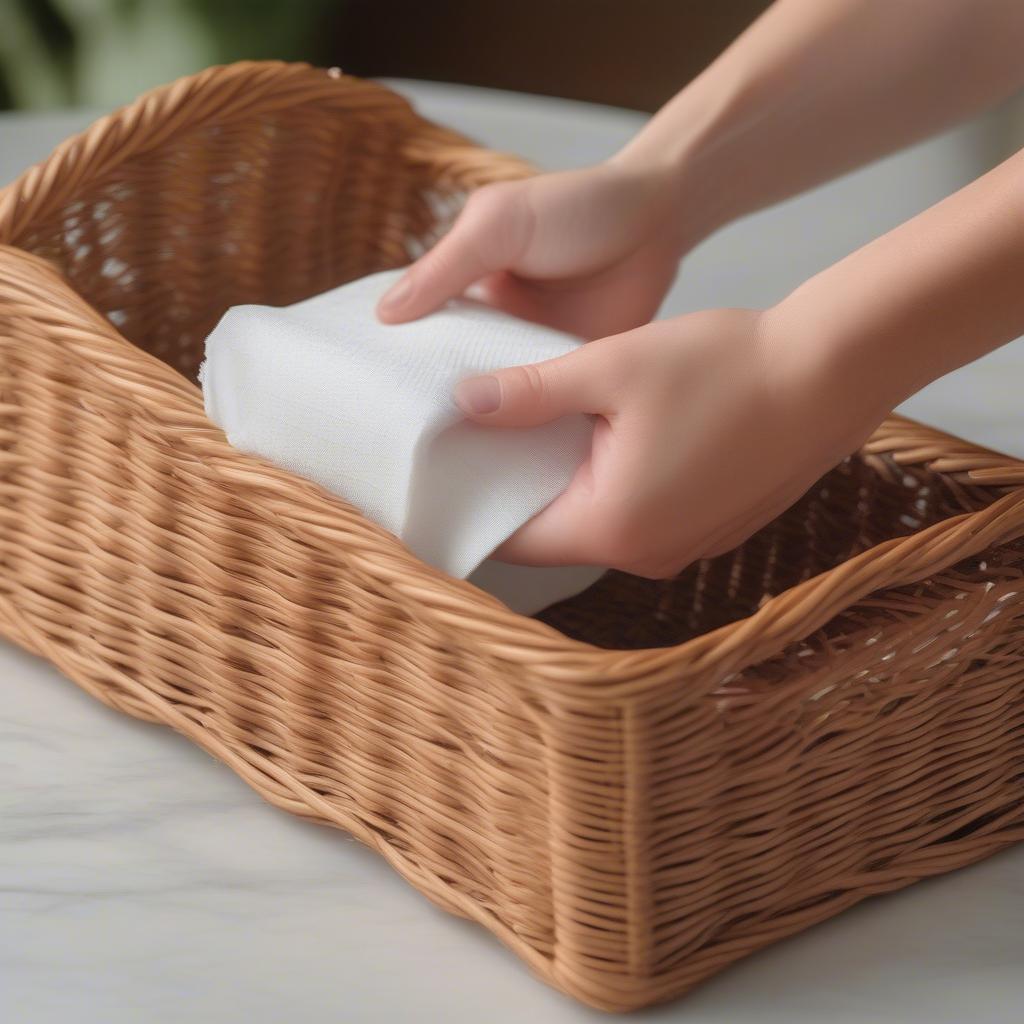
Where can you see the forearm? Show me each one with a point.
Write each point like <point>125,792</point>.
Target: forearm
<point>935,293</point>
<point>817,87</point>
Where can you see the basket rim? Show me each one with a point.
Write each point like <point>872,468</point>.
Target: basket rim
<point>226,92</point>
<point>37,289</point>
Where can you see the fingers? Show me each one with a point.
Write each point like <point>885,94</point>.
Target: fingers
<point>584,381</point>
<point>491,234</point>
<point>578,529</point>
<point>558,534</point>
<point>719,542</point>
<point>725,541</point>
<point>591,306</point>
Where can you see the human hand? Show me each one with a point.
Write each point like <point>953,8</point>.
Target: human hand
<point>708,426</point>
<point>591,252</point>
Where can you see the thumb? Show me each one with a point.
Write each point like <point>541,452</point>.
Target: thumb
<point>526,396</point>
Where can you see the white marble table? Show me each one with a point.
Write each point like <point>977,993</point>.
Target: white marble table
<point>140,881</point>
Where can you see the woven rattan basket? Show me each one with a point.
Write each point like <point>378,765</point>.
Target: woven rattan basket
<point>647,783</point>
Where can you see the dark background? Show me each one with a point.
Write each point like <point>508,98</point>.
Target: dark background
<point>632,53</point>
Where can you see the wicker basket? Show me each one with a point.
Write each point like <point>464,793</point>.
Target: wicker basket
<point>647,783</point>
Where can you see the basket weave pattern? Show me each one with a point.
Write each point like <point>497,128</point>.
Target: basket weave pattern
<point>646,784</point>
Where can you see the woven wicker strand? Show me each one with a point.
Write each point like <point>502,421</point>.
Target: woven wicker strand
<point>633,790</point>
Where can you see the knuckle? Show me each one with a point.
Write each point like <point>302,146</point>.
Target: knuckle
<point>528,382</point>
<point>437,262</point>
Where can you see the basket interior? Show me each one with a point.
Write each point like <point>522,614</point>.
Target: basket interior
<point>281,207</point>
<point>864,501</point>
<point>268,209</point>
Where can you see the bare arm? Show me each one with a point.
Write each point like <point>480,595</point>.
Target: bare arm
<point>933,294</point>
<point>710,424</point>
<point>816,87</point>
<point>811,89</point>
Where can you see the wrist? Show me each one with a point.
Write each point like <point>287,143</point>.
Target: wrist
<point>694,199</point>
<point>695,145</point>
<point>838,362</point>
<point>929,296</point>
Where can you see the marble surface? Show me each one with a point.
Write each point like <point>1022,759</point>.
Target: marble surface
<point>140,881</point>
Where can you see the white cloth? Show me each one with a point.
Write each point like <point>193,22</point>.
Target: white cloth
<point>364,409</point>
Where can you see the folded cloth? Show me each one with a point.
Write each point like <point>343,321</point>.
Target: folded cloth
<point>365,409</point>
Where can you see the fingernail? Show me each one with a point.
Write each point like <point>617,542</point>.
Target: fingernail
<point>396,294</point>
<point>478,396</point>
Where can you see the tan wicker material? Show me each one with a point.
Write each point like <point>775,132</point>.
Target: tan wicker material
<point>678,774</point>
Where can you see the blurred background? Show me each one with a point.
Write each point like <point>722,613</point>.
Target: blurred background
<point>631,53</point>
<point>98,54</point>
